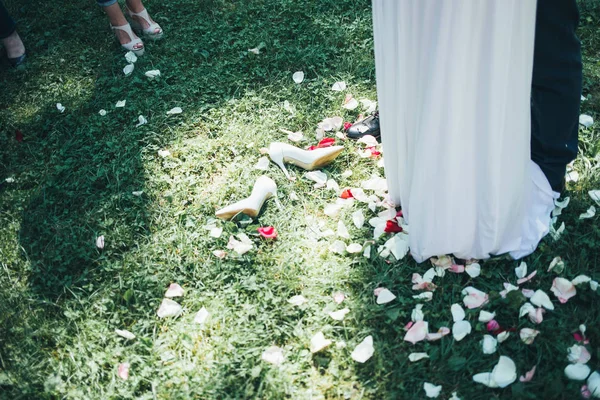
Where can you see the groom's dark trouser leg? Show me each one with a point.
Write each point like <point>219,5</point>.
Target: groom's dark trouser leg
<point>556,89</point>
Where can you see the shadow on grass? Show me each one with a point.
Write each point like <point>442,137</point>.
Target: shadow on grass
<point>76,172</point>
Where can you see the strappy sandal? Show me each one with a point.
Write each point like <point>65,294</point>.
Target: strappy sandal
<point>134,40</point>
<point>154,31</point>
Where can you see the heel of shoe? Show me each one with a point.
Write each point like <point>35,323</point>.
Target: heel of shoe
<point>276,155</point>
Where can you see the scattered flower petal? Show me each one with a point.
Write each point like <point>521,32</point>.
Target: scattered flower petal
<point>60,108</point>
<point>273,355</point>
<point>169,308</point>
<point>492,326</point>
<point>474,298</point>
<point>473,270</point>
<point>339,86</point>
<point>502,336</point>
<point>201,316</point>
<point>340,314</point>
<point>298,77</point>
<point>123,371</point>
<point>557,265</point>
<point>578,354</point>
<point>427,296</point>
<point>141,121</point>
<point>267,232</point>
<point>485,316</point>
<point>120,103</point>
<point>521,270</point>
<point>297,300</point>
<point>152,74</point>
<point>581,279</point>
<point>130,57</point>
<point>503,374</point>
<point>577,372</point>
<point>318,342</point>
<point>528,375</point>
<point>563,289</point>
<point>262,164</point>
<point>489,344</point>
<point>527,278</point>
<point>338,247</point>
<point>413,357</point>
<point>128,69</point>
<point>102,112</point>
<point>460,330</point>
<point>385,296</point>
<point>528,335</point>
<point>100,242</point>
<point>417,332</point>
<point>174,111</point>
<point>586,120</point>
<point>354,248</point>
<point>164,153</point>
<point>541,299</point>
<point>241,246</point>
<point>125,334</point>
<point>174,290</point>
<point>593,384</point>
<point>317,176</point>
<point>458,313</point>
<point>590,213</point>
<point>364,350</point>
<point>350,103</point>
<point>431,390</point>
<point>219,254</point>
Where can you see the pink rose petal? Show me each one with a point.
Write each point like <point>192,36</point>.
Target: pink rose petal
<point>474,298</point>
<point>528,375</point>
<point>338,297</point>
<point>458,269</point>
<point>123,371</point>
<point>563,289</point>
<point>417,332</point>
<point>527,278</point>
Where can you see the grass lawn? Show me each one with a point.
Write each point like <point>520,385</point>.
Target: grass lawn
<point>72,177</point>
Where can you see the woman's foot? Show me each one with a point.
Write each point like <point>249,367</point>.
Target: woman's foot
<point>15,49</point>
<point>124,38</point>
<point>141,21</point>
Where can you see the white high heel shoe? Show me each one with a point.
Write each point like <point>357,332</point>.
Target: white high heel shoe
<point>281,153</point>
<point>130,46</point>
<point>263,189</point>
<point>154,31</point>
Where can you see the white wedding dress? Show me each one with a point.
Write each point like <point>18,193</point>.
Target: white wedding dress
<point>453,83</point>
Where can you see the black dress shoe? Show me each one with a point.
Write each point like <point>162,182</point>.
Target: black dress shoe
<point>368,126</point>
<point>15,62</point>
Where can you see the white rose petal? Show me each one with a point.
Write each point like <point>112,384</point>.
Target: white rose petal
<point>521,270</point>
<point>273,355</point>
<point>358,218</point>
<point>458,313</point>
<point>100,242</point>
<point>460,330</point>
<point>169,308</point>
<point>339,86</point>
<point>141,121</point>
<point>413,357</point>
<point>473,270</point>
<point>297,300</point>
<point>528,335</point>
<point>364,350</point>
<point>590,213</point>
<point>541,299</point>
<point>503,336</point>
<point>586,120</point>
<point>174,111</point>
<point>128,69</point>
<point>174,290</point>
<point>201,316</point>
<point>338,247</point>
<point>152,74</point>
<point>385,296</point>
<point>354,248</point>
<point>427,296</point>
<point>431,390</point>
<point>125,334</point>
<point>320,178</point>
<point>593,384</point>
<point>216,232</point>
<point>489,344</point>
<point>298,77</point>
<point>417,313</point>
<point>340,314</point>
<point>503,374</point>
<point>351,104</point>
<point>263,164</point>
<point>102,112</point>
<point>164,153</point>
<point>318,342</point>
<point>120,103</point>
<point>485,316</point>
<point>577,372</point>
<point>60,108</point>
<point>130,57</point>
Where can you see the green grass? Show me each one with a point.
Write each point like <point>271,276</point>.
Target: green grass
<point>61,298</point>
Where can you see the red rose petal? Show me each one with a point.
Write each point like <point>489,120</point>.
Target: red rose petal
<point>347,125</point>
<point>347,194</point>
<point>392,226</point>
<point>268,232</point>
<point>18,135</point>
<point>326,142</point>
